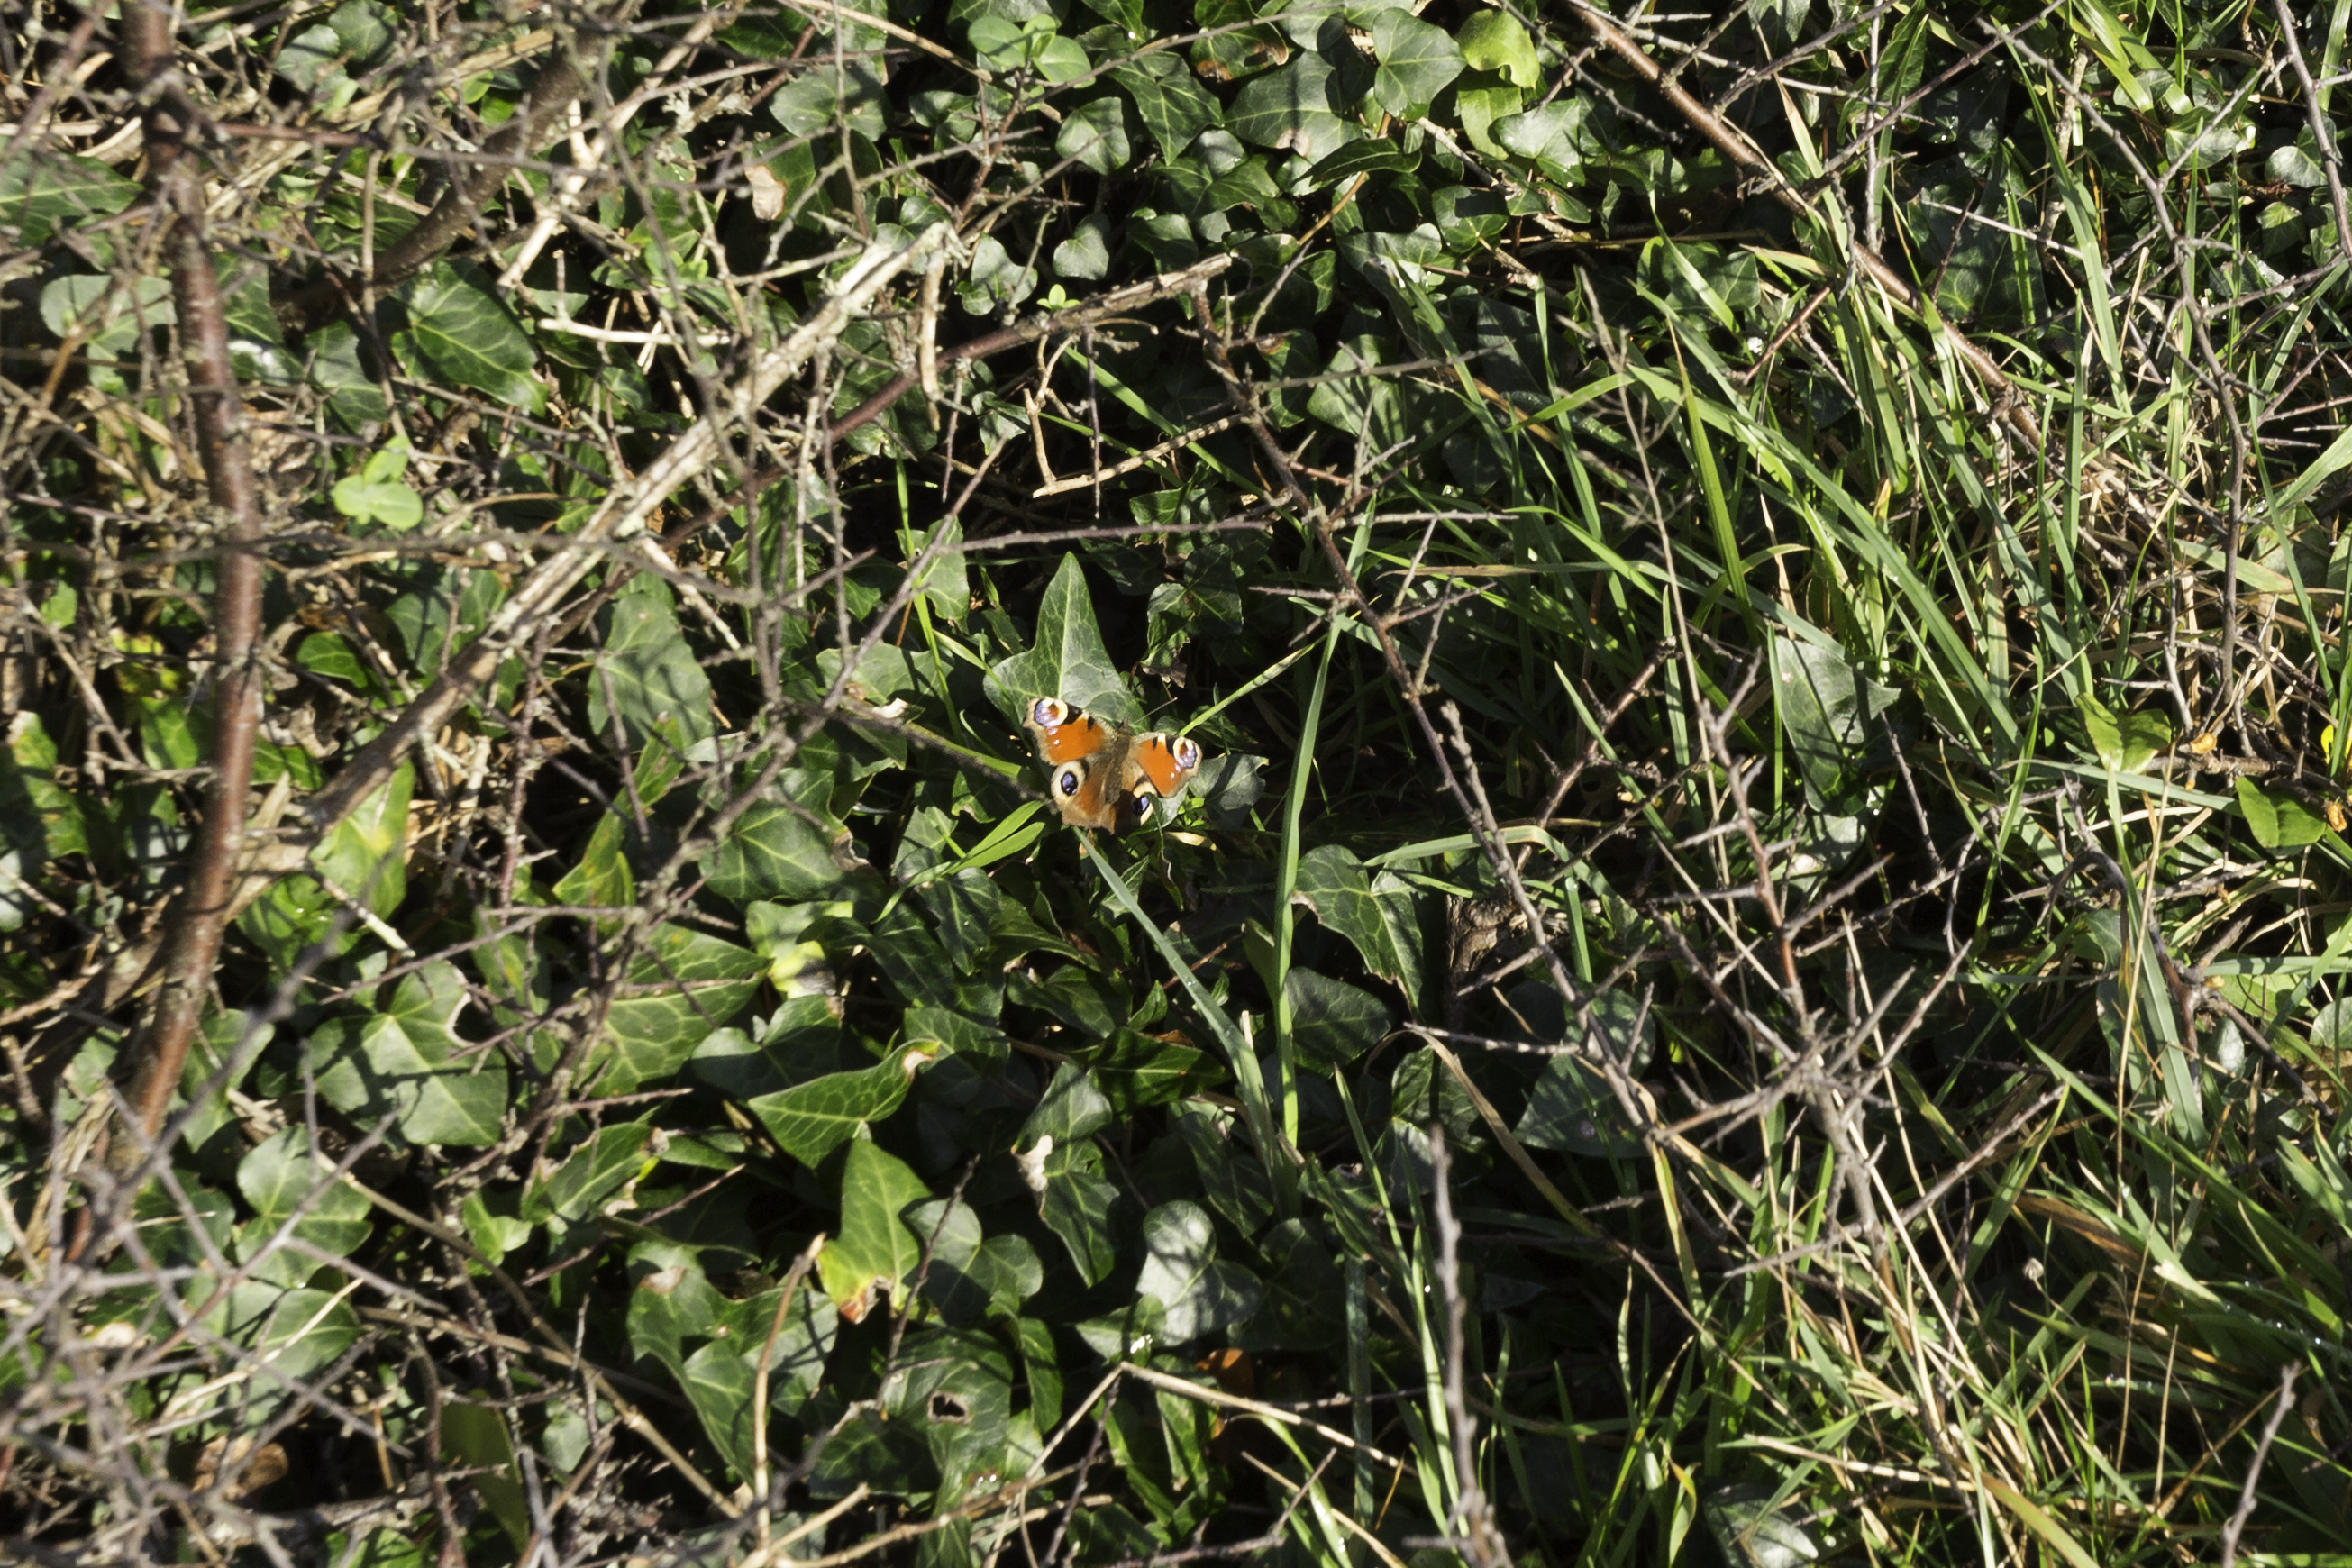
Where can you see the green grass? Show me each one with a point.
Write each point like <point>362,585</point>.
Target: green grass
<point>1752,976</point>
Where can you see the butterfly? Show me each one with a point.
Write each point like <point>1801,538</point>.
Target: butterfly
<point>1105,777</point>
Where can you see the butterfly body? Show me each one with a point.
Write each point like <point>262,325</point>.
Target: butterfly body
<point>1102,777</point>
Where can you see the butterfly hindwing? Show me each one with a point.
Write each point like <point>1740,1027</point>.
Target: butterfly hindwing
<point>1103,777</point>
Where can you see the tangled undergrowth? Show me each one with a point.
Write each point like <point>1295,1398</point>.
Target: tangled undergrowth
<point>1751,973</point>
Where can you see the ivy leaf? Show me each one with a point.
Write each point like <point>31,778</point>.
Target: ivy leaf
<point>363,854</point>
<point>875,1248</point>
<point>1071,1108</point>
<point>1175,108</point>
<point>1829,711</point>
<point>1383,926</point>
<point>1131,1070</point>
<point>466,337</point>
<point>1331,1022</point>
<point>594,1171</point>
<point>686,984</point>
<point>43,190</point>
<point>1088,1214</point>
<point>1292,108</point>
<point>1494,41</point>
<point>370,1066</point>
<point>1096,135</point>
<point>1067,658</point>
<point>810,1120</point>
<point>648,676</point>
<point>1367,157</point>
<point>1199,1294</point>
<point>1417,62</point>
<point>279,1177</point>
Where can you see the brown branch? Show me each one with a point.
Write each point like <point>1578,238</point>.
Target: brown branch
<point>193,941</point>
<point>454,214</point>
<point>1117,302</point>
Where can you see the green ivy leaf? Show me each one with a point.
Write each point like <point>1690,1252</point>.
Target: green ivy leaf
<point>1293,107</point>
<point>1417,62</point>
<point>1382,925</point>
<point>1131,1070</point>
<point>365,853</point>
<point>1331,1022</point>
<point>1096,135</point>
<point>810,1120</point>
<point>466,337</point>
<point>43,189</point>
<point>1199,1294</point>
<point>404,1062</point>
<point>1173,108</point>
<point>279,1177</point>
<point>1067,658</point>
<point>375,494</point>
<point>1494,41</point>
<point>876,1248</point>
<point>648,676</point>
<point>598,1167</point>
<point>680,987</point>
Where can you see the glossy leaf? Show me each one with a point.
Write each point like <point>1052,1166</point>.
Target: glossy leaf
<point>1199,1294</point>
<point>876,1248</point>
<point>810,1120</point>
<point>466,337</point>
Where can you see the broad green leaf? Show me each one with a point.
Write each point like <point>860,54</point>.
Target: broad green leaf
<point>1096,135</point>
<point>281,1176</point>
<point>1175,108</point>
<point>1071,1108</point>
<point>1084,256</point>
<point>1199,1294</point>
<point>826,93</point>
<point>965,907</point>
<point>773,851</point>
<point>1294,107</point>
<point>1417,62</point>
<point>1084,1210</point>
<point>305,1332</point>
<point>1304,1293</point>
<point>721,1377</point>
<point>2125,741</point>
<point>375,494</point>
<point>38,816</point>
<point>1828,710</point>
<point>1384,927</point>
<point>1366,157</point>
<point>1131,1070</point>
<point>1573,1109</point>
<point>971,1276</point>
<point>1066,658</point>
<point>466,336</point>
<point>364,855</point>
<point>681,985</point>
<point>1494,41</point>
<point>876,1248</point>
<point>946,582</point>
<point>1752,1534</point>
<point>335,367</point>
<point>400,1063</point>
<point>1331,1022</point>
<point>598,1167</point>
<point>476,1436</point>
<point>648,676</point>
<point>2279,820</point>
<point>43,189</point>
<point>811,1120</point>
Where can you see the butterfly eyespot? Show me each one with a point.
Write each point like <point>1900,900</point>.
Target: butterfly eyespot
<point>1188,753</point>
<point>1049,711</point>
<point>1067,781</point>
